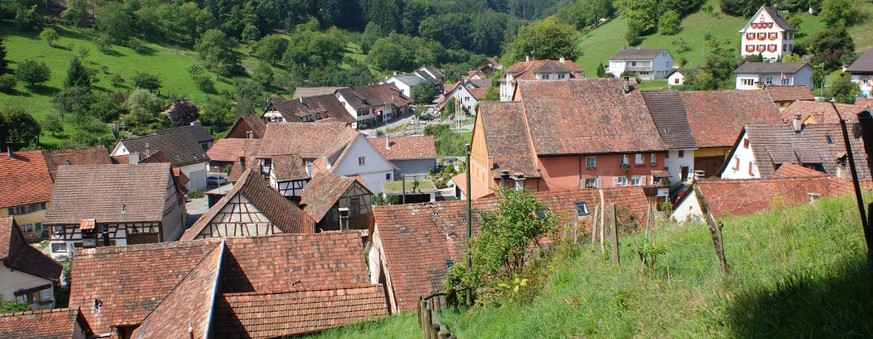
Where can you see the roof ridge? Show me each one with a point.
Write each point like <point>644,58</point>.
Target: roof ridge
<point>304,289</point>
<point>45,311</point>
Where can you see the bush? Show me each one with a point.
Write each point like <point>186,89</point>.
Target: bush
<point>669,23</point>
<point>148,81</point>
<point>204,82</point>
<point>7,83</point>
<point>33,72</point>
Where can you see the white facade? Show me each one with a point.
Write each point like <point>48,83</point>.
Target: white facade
<point>196,173</point>
<point>688,209</point>
<point>676,79</point>
<point>363,160</point>
<point>367,116</point>
<point>465,100</point>
<point>404,87</point>
<point>742,164</point>
<point>865,82</point>
<point>762,35</point>
<point>657,68</point>
<point>12,281</point>
<point>751,81</point>
<point>680,164</point>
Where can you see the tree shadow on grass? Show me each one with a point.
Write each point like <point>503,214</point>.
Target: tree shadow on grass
<point>72,34</point>
<point>837,305</point>
<point>43,90</point>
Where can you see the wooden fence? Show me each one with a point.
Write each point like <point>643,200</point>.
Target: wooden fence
<point>429,310</point>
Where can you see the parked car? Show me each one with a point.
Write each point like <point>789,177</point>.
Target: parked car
<point>425,117</point>
<point>215,180</point>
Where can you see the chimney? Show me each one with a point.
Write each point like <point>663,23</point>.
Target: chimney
<point>797,123</point>
<point>148,151</point>
<point>9,151</point>
<point>561,60</point>
<point>133,158</point>
<point>504,178</point>
<point>309,169</point>
<point>626,87</point>
<point>526,58</point>
<point>519,181</point>
<point>387,142</point>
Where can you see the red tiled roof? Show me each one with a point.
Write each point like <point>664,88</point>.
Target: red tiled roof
<point>25,179</point>
<point>131,281</point>
<point>526,70</point>
<point>374,96</point>
<point>589,116</point>
<point>478,92</point>
<point>507,138</point>
<point>269,203</point>
<point>323,191</point>
<point>402,148</point>
<point>250,151</point>
<point>288,167</point>
<point>83,156</point>
<point>247,123</point>
<point>716,117</point>
<point>820,112</point>
<point>18,255</point>
<point>253,315</point>
<point>100,191</point>
<point>305,139</point>
<point>748,196</point>
<point>45,324</point>
<point>790,93</point>
<point>789,170</point>
<point>226,150</point>
<point>418,240</point>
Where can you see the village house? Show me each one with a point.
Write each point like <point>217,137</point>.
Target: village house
<point>767,34</point>
<point>760,150</point>
<point>373,105</point>
<point>757,75</point>
<point>249,126</point>
<point>179,148</point>
<point>412,156</point>
<point>30,276</point>
<point>644,63</point>
<point>325,107</point>
<point>53,323</point>
<point>531,141</point>
<point>536,70</point>
<point>109,205</point>
<point>305,92</point>
<point>226,288</point>
<point>784,96</point>
<point>812,112</point>
<point>224,153</point>
<point>414,245</point>
<point>406,81</point>
<point>27,183</point>
<point>715,118</point>
<point>328,146</point>
<point>488,66</point>
<point>676,78</point>
<point>250,208</point>
<point>671,121</point>
<point>337,203</point>
<point>744,197</point>
<point>200,135</point>
<point>862,72</point>
<point>468,93</point>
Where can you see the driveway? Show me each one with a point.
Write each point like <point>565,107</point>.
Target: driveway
<point>195,208</point>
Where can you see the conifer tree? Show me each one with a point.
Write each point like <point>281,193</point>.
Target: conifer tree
<point>78,75</point>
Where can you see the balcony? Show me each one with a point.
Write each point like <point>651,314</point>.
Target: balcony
<point>638,68</point>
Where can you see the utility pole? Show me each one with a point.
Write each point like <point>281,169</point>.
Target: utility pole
<point>469,226</point>
<point>866,122</point>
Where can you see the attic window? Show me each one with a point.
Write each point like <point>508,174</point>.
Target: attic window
<point>436,214</point>
<point>581,208</point>
<point>830,139</point>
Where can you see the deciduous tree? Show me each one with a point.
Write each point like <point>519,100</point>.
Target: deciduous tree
<point>544,39</point>
<point>49,35</point>
<point>33,72</point>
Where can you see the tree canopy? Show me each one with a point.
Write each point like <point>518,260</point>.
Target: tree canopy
<point>544,39</point>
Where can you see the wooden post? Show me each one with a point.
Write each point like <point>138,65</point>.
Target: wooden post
<point>602,225</point>
<point>427,322</point>
<point>614,235</point>
<point>443,334</point>
<point>714,230</point>
<point>434,330</point>
<point>594,224</point>
<point>421,308</point>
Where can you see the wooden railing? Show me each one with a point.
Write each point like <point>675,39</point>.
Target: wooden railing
<point>429,310</point>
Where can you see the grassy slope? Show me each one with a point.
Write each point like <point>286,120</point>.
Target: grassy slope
<point>601,43</point>
<point>401,326</point>
<point>789,280</point>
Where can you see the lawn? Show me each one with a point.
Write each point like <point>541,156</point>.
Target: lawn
<point>399,326</point>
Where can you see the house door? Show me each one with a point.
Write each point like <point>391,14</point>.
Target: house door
<point>683,173</point>
<point>709,165</point>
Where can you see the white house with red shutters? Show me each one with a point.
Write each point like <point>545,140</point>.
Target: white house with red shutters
<point>767,34</point>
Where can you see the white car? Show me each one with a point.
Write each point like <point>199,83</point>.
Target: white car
<point>215,180</point>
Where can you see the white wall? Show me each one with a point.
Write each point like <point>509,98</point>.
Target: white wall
<point>662,65</point>
<point>783,46</point>
<point>674,164</point>
<point>688,209</point>
<point>466,99</point>
<point>864,81</point>
<point>802,77</point>
<point>196,173</point>
<point>406,89</point>
<point>745,157</point>
<point>507,88</point>
<point>12,280</point>
<point>676,79</point>
<point>616,67</point>
<point>375,167</point>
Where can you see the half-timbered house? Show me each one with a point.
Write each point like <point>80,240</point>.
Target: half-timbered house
<point>106,205</point>
<point>289,175</point>
<point>250,208</point>
<point>337,203</point>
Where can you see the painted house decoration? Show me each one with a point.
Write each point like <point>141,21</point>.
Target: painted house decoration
<point>767,34</point>
<point>411,156</point>
<point>862,72</point>
<point>672,123</point>
<point>760,150</point>
<point>644,63</point>
<point>251,208</point>
<point>337,203</point>
<point>114,205</point>
<point>536,70</point>
<point>757,75</point>
<point>409,271</point>
<point>227,288</point>
<point>179,148</point>
<point>29,276</point>
<point>200,135</point>
<point>406,81</point>
<point>54,323</point>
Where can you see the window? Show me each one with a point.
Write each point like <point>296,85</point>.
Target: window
<point>736,164</point>
<point>362,161</point>
<point>317,116</point>
<point>591,183</point>
<point>667,155</point>
<point>653,159</point>
<point>633,63</point>
<point>681,153</point>
<point>590,162</point>
<point>387,176</point>
<point>751,168</point>
<point>667,64</point>
<point>676,81</point>
<point>638,180</point>
<point>562,76</point>
<point>748,82</point>
<point>624,160</point>
<point>830,139</point>
<point>769,80</point>
<point>59,247</point>
<point>545,77</point>
<point>619,181</point>
<point>638,159</point>
<point>581,208</point>
<point>745,143</point>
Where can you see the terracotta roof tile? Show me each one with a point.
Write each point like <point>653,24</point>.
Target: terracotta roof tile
<point>271,205</point>
<point>180,147</point>
<point>479,189</point>
<point>253,315</point>
<point>790,93</point>
<point>790,170</point>
<point>131,281</point>
<point>819,112</point>
<point>374,96</point>
<point>45,324</point>
<point>588,116</point>
<point>245,124</point>
<point>507,138</point>
<point>637,54</point>
<point>823,144</point>
<point>83,156</point>
<point>749,196</point>
<point>249,153</point>
<point>305,139</point>
<point>403,148</point>
<point>100,191</point>
<point>315,108</point>
<point>670,119</point>
<point>25,179</point>
<point>419,240</point>
<point>226,150</point>
<point>288,167</point>
<point>716,117</point>
<point>18,255</point>
<point>323,191</point>
<point>525,70</point>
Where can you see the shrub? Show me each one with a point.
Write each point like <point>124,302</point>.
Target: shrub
<point>33,72</point>
<point>148,81</point>
<point>204,82</point>
<point>7,83</point>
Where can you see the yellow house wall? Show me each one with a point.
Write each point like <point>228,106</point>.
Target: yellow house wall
<point>480,166</point>
<point>23,219</point>
<point>711,152</point>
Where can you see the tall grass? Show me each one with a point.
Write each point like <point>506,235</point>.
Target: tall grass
<point>400,326</point>
<point>796,272</point>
